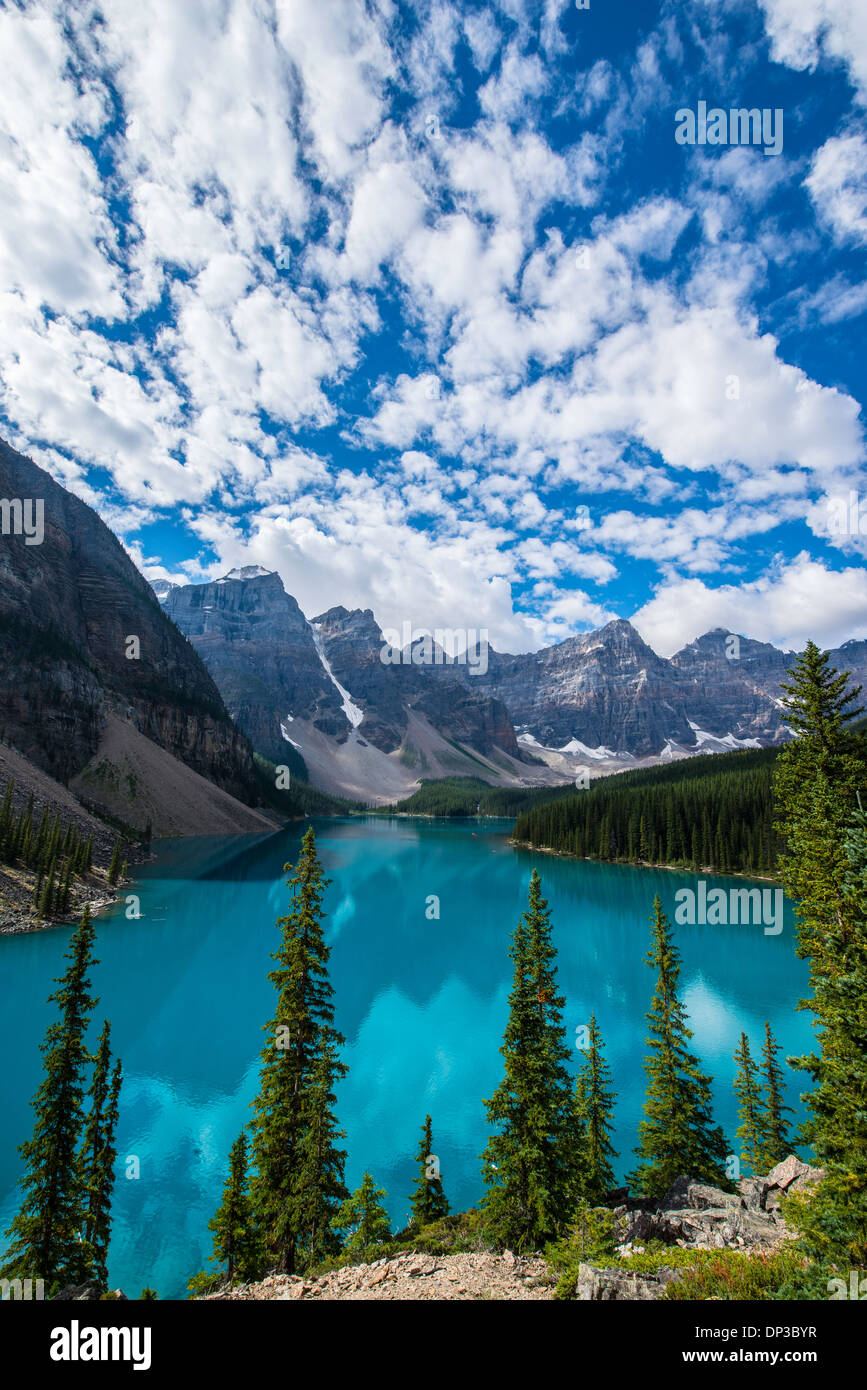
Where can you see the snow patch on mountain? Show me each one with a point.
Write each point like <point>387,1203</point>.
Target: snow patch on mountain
<point>352,711</point>
<point>576,746</point>
<point>713,743</point>
<point>245,572</point>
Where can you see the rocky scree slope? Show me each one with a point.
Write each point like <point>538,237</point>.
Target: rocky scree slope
<point>67,608</point>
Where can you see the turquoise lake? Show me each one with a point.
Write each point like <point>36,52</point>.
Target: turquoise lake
<point>422,1004</point>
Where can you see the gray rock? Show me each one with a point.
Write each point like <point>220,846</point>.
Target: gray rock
<point>677,1194</point>
<point>613,1285</point>
<point>700,1197</point>
<point>791,1168</point>
<point>84,1293</point>
<point>754,1191</point>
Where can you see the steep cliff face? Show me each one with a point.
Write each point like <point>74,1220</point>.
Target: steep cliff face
<point>70,608</point>
<point>273,667</point>
<point>452,701</point>
<point>605,688</point>
<point>351,642</point>
<point>734,682</point>
<point>260,650</point>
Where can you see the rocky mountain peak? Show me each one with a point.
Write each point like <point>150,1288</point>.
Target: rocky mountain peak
<point>246,572</point>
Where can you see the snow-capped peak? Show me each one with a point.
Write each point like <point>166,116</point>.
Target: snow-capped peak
<point>246,572</point>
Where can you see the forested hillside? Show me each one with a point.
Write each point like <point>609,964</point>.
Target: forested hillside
<point>470,796</point>
<point>705,813</point>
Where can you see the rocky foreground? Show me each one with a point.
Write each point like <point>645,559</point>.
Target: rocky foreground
<point>411,1276</point>
<point>691,1216</point>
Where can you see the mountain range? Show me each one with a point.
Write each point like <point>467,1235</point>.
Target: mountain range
<point>137,729</point>
<point>365,721</point>
<point>151,702</point>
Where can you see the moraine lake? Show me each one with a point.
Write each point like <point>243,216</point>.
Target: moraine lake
<point>422,1004</point>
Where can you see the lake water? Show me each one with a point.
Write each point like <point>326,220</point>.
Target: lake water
<point>422,1004</point>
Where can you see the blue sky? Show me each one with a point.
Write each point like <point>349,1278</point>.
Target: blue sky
<point>425,306</point>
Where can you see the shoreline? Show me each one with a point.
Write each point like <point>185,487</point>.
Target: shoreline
<point>26,925</point>
<point>642,863</point>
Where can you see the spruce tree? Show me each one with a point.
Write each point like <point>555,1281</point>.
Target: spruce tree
<point>236,1243</point>
<point>678,1136</point>
<point>816,779</point>
<point>594,1105</point>
<point>751,1130</point>
<point>320,1163</point>
<point>820,775</point>
<point>776,1143</point>
<point>45,1236</point>
<point>362,1220</point>
<point>299,1068</point>
<point>832,1219</point>
<point>528,1164</point>
<point>114,866</point>
<point>98,1156</point>
<point>6,811</point>
<point>47,902</point>
<point>428,1201</point>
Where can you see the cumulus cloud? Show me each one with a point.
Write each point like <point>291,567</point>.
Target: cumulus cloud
<point>797,601</point>
<point>837,183</point>
<point>363,293</point>
<point>802,32</point>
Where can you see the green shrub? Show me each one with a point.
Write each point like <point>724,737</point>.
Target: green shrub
<point>590,1241</point>
<point>734,1274</point>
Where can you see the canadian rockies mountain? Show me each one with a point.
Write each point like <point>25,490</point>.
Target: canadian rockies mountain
<point>226,669</point>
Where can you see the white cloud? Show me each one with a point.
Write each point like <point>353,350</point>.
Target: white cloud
<point>837,183</point>
<point>803,31</point>
<point>796,601</point>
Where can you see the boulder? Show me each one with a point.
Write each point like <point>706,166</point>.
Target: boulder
<point>791,1168</point>
<point>754,1191</point>
<point>84,1293</point>
<point>676,1196</point>
<point>701,1197</point>
<point>607,1285</point>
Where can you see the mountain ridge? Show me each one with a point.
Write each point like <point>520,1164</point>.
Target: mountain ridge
<point>603,697</point>
<point>84,641</point>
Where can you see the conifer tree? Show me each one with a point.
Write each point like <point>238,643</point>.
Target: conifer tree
<point>817,789</point>
<point>528,1164</point>
<point>594,1106</point>
<point>833,1219</point>
<point>678,1136</point>
<point>776,1143</point>
<point>299,1070</point>
<point>6,809</point>
<point>427,1201</point>
<point>45,1235</point>
<point>114,866</point>
<point>751,1130</point>
<point>362,1219</point>
<point>816,779</point>
<point>320,1162</point>
<point>236,1243</point>
<point>98,1156</point>
<point>47,902</point>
